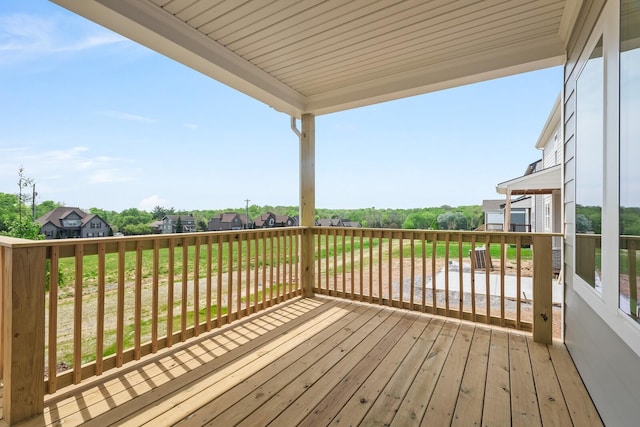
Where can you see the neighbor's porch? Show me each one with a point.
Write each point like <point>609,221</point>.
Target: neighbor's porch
<point>200,325</point>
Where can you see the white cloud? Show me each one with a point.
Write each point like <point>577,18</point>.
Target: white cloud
<point>120,115</point>
<point>68,154</point>
<point>105,176</point>
<point>148,203</point>
<point>26,37</point>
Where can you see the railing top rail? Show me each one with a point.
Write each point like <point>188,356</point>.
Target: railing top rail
<point>386,231</point>
<point>131,243</point>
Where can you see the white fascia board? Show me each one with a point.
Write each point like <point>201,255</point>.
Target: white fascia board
<point>568,20</point>
<point>467,70</point>
<point>553,121</point>
<point>148,25</point>
<point>549,178</point>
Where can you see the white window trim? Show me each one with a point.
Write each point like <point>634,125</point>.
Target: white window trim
<point>606,304</point>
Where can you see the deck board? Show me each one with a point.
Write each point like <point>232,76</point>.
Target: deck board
<point>323,361</point>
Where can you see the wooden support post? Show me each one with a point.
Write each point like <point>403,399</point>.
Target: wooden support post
<point>307,201</point>
<point>23,332</point>
<point>507,213</point>
<point>542,292</point>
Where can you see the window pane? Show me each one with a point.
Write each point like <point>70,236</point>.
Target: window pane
<point>589,167</point>
<point>629,156</point>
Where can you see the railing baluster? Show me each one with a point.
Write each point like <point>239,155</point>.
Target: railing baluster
<point>361,263</point>
<point>283,262</point>
<point>120,306</point>
<point>247,285</point>
<point>239,278</point>
<point>390,269</point>
<point>270,268</point>
<point>100,308</point>
<point>344,264</point>
<point>413,270</point>
<point>473,278</point>
<point>185,283</point>
<point>352,276</point>
<point>370,268</point>
<point>256,269</point>
<point>502,278</point>
<point>278,262</point>
<point>401,266</point>
<point>220,249</point>
<point>196,287</point>
<point>327,258</point>
<point>209,280</point>
<point>77,315</point>
<point>170,283</point>
<point>487,275</point>
<point>380,299</point>
<point>290,235</point>
<point>137,316</point>
<point>319,260</point>
<point>434,273</point>
<point>335,262</point>
<point>264,270</point>
<point>446,278</point>
<point>229,279</point>
<point>423,287</point>
<point>155,296</point>
<point>461,276</point>
<point>54,277</point>
<point>518,281</point>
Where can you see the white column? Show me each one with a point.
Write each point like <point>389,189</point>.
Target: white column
<point>507,212</point>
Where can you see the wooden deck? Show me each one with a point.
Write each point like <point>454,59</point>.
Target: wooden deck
<point>324,361</point>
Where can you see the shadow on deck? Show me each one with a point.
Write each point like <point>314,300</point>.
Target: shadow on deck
<point>322,361</point>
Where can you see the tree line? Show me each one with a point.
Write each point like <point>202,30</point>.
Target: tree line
<point>17,216</point>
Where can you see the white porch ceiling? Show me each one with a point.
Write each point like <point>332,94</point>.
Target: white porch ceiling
<point>310,56</point>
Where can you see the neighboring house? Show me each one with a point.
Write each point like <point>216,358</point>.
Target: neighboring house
<point>69,222</point>
<point>229,221</point>
<point>270,220</point>
<point>170,222</point>
<point>336,222</point>
<point>541,182</point>
<point>156,226</point>
<point>494,214</point>
<point>266,220</point>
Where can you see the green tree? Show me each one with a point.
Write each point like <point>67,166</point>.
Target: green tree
<point>25,229</point>
<point>178,227</point>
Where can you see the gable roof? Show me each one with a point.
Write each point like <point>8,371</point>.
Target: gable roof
<point>322,57</point>
<point>55,216</point>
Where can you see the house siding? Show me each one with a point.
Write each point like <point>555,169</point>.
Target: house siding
<point>606,363</point>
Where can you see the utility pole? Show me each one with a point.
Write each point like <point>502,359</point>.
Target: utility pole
<point>247,210</point>
<point>33,200</point>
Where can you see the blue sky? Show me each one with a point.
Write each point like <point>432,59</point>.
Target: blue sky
<point>99,121</point>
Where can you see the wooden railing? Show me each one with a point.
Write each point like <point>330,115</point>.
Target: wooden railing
<point>490,277</point>
<point>80,307</point>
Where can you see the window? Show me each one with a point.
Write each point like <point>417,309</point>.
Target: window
<point>629,261</point>
<point>589,167</point>
<point>547,215</point>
